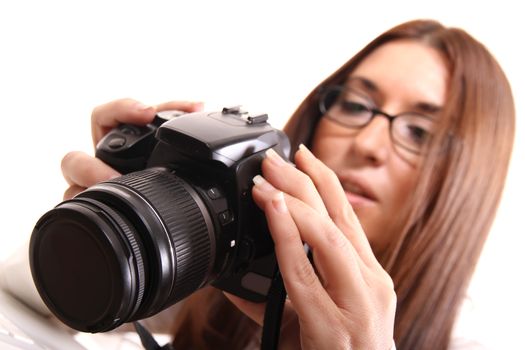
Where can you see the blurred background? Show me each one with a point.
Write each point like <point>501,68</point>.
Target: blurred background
<point>59,59</point>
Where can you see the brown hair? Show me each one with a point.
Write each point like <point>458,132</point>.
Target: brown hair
<point>453,207</point>
<point>460,186</point>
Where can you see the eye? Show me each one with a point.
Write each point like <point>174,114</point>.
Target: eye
<point>413,131</point>
<point>354,108</point>
<point>418,135</point>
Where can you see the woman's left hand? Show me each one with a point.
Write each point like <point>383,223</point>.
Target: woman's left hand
<point>345,300</point>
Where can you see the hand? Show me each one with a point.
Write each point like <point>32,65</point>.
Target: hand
<point>82,170</point>
<point>345,300</point>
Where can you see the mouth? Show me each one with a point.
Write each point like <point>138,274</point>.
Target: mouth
<point>358,193</point>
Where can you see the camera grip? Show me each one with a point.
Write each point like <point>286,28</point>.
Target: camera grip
<point>127,147</point>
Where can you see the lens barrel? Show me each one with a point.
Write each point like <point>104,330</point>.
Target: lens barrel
<point>123,250</point>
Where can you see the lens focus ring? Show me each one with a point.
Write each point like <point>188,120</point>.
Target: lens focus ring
<point>186,220</point>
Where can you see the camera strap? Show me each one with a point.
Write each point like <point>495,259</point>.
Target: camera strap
<point>271,326</point>
<point>274,309</point>
<point>273,313</point>
<point>272,316</point>
<point>147,339</point>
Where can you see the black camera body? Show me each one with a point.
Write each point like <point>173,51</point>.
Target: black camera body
<point>180,218</point>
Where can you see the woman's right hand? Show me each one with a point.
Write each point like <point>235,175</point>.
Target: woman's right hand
<point>81,170</point>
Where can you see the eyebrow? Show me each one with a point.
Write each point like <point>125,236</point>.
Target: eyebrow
<point>428,107</point>
<point>422,106</point>
<point>368,84</point>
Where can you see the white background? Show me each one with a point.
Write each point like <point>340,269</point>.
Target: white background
<point>59,59</point>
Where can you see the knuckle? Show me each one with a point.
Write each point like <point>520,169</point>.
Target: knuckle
<point>391,295</point>
<point>91,173</point>
<point>383,278</point>
<point>306,276</point>
<point>95,113</point>
<point>305,181</point>
<point>342,215</point>
<point>121,104</point>
<point>334,236</point>
<point>386,296</point>
<point>342,339</point>
<point>389,281</point>
<point>328,173</point>
<point>68,160</point>
<point>392,305</point>
<point>285,239</point>
<point>322,174</point>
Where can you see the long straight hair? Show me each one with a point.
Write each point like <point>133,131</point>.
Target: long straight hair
<point>460,185</point>
<point>459,189</point>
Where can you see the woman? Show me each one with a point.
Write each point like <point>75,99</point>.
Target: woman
<point>410,142</point>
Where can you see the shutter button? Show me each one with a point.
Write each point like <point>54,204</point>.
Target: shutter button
<point>116,142</point>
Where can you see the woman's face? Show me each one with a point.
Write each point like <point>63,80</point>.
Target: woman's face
<point>377,175</point>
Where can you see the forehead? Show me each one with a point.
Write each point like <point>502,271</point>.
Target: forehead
<point>407,70</point>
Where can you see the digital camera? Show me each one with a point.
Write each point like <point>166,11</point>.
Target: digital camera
<point>181,217</point>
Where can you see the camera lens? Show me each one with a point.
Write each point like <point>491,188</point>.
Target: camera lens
<point>123,250</point>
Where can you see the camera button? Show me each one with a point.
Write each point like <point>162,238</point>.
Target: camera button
<point>116,142</point>
<point>129,130</point>
<point>214,193</point>
<point>258,119</point>
<point>225,217</point>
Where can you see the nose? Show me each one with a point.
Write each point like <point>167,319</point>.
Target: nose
<point>372,143</point>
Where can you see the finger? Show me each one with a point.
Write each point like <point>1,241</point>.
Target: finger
<point>290,180</point>
<point>183,106</point>
<point>80,169</point>
<point>72,191</point>
<point>107,116</point>
<point>255,311</point>
<point>329,187</point>
<point>340,268</point>
<point>335,257</point>
<point>302,284</point>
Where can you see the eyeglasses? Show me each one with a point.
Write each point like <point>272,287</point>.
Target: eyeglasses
<point>411,131</point>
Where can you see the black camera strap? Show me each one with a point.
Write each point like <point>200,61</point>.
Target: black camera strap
<point>274,309</point>
<point>273,313</point>
<point>147,340</point>
<point>271,326</point>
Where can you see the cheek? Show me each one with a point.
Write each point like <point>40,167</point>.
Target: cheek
<point>396,182</point>
<point>383,223</point>
<point>330,145</point>
<point>403,179</point>
<point>401,183</point>
<point>324,150</point>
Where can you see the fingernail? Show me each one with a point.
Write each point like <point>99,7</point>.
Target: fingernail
<point>279,204</point>
<point>274,157</point>
<point>261,183</point>
<point>142,107</point>
<point>306,151</point>
<point>198,106</point>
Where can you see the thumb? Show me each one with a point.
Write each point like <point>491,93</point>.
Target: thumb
<point>255,311</point>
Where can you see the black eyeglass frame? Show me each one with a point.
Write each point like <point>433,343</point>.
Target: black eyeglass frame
<point>322,105</point>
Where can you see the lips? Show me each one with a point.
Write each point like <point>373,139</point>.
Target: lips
<point>358,191</point>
